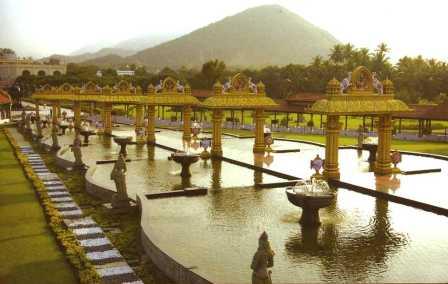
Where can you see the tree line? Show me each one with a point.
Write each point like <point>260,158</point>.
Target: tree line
<point>416,79</point>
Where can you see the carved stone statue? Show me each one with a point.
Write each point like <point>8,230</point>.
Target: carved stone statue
<point>54,137</point>
<point>262,260</point>
<point>377,84</point>
<point>120,199</point>
<point>346,82</point>
<point>28,123</point>
<point>158,88</point>
<point>39,128</point>
<point>252,86</point>
<point>76,149</point>
<point>179,87</point>
<point>227,85</point>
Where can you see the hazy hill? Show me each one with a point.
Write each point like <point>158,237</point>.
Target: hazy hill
<point>265,35</point>
<point>105,52</point>
<point>114,51</point>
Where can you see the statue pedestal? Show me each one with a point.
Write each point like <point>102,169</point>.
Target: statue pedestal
<point>119,203</point>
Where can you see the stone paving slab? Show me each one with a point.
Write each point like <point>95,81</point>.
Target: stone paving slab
<point>96,242</point>
<point>87,231</point>
<point>102,255</point>
<point>53,182</point>
<point>61,199</point>
<point>86,221</point>
<point>65,205</point>
<point>110,271</point>
<point>56,188</point>
<point>58,193</point>
<point>76,212</point>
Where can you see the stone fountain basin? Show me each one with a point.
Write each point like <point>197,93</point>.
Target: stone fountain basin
<point>123,139</point>
<point>315,200</point>
<point>184,157</point>
<point>87,132</point>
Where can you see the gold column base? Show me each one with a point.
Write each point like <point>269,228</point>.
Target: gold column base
<point>216,152</point>
<point>383,169</point>
<point>332,174</point>
<point>259,148</point>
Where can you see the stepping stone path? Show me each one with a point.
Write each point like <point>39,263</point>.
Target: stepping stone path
<point>108,262</point>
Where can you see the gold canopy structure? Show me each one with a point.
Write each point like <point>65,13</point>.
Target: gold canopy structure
<point>169,93</point>
<point>365,95</point>
<point>122,93</point>
<point>238,93</point>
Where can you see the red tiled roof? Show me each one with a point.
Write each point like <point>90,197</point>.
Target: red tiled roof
<point>4,97</point>
<point>434,112</point>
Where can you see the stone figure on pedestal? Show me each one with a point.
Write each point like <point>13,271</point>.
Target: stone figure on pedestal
<point>76,149</point>
<point>262,260</point>
<point>120,199</point>
<point>54,137</point>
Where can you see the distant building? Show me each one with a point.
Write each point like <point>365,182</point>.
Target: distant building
<point>99,73</point>
<point>125,72</point>
<point>12,67</point>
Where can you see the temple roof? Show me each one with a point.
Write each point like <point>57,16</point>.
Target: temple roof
<point>364,95</point>
<point>239,92</point>
<point>4,98</point>
<point>169,93</point>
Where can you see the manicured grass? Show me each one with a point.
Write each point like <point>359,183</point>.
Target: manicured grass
<point>29,253</point>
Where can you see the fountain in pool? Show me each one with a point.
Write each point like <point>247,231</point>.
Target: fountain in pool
<point>123,141</point>
<point>310,196</point>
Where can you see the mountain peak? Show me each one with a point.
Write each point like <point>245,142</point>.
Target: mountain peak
<point>256,37</point>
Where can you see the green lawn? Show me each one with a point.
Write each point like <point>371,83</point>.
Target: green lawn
<point>29,253</point>
<point>440,148</point>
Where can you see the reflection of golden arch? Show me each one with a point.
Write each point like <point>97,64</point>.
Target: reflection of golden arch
<point>361,80</point>
<point>169,84</point>
<point>240,82</point>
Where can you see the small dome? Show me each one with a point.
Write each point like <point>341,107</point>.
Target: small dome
<point>260,87</point>
<point>217,87</point>
<point>333,87</point>
<point>388,87</point>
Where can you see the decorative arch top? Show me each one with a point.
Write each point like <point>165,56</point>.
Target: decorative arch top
<point>66,88</point>
<point>240,83</point>
<point>361,80</point>
<point>123,86</point>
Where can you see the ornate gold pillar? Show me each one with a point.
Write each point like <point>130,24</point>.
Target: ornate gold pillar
<point>54,113</point>
<point>187,123</point>
<point>92,108</point>
<point>58,109</point>
<point>77,114</point>
<point>259,145</point>
<point>36,108</point>
<point>216,133</point>
<point>150,128</point>
<point>331,165</point>
<point>383,161</point>
<point>139,124</point>
<point>107,118</point>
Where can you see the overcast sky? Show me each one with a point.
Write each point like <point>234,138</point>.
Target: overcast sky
<point>44,27</point>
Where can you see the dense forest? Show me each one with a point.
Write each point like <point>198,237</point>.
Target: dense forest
<point>417,80</point>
